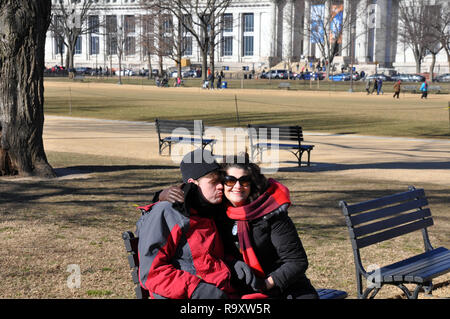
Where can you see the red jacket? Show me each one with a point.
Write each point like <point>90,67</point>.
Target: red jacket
<point>177,252</point>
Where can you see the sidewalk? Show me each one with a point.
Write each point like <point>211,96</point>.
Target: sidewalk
<point>410,160</point>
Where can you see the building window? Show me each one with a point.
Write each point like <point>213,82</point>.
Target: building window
<point>94,23</point>
<point>59,45</point>
<point>187,45</point>
<point>78,46</point>
<point>227,46</point>
<point>130,46</point>
<point>248,45</point>
<point>95,45</point>
<point>227,22</point>
<point>130,24</point>
<point>248,22</point>
<point>111,34</point>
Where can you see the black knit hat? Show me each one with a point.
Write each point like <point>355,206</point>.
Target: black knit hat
<point>197,163</point>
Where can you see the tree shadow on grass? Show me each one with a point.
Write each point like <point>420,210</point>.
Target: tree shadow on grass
<point>88,169</point>
<point>330,167</point>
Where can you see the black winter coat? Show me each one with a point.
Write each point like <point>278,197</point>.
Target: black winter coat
<point>279,250</point>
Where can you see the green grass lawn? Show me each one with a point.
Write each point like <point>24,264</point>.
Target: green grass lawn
<point>328,111</point>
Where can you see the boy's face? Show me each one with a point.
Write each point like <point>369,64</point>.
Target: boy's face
<point>211,187</point>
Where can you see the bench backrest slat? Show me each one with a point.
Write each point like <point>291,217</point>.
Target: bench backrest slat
<point>383,201</point>
<point>180,127</point>
<point>391,222</point>
<point>387,211</point>
<point>387,217</point>
<point>131,245</point>
<point>392,233</point>
<point>290,133</point>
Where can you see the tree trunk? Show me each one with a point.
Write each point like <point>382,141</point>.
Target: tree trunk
<point>23,27</point>
<point>433,63</point>
<point>150,74</point>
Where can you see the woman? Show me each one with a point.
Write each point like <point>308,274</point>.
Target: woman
<point>266,236</point>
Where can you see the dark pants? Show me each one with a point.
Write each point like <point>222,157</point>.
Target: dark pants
<point>397,94</point>
<point>424,95</point>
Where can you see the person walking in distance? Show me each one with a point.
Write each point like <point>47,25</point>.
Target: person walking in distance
<point>397,88</point>
<point>424,89</point>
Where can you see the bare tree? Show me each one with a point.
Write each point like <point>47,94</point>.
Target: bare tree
<point>147,37</point>
<point>70,22</point>
<point>414,17</point>
<point>437,33</point>
<point>23,28</point>
<point>201,19</point>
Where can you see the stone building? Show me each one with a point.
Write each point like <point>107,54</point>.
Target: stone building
<point>259,34</point>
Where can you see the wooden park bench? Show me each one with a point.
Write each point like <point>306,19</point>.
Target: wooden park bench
<point>174,131</point>
<point>78,77</point>
<point>384,218</point>
<point>435,88</point>
<point>263,137</point>
<point>409,88</point>
<point>284,85</point>
<point>131,246</point>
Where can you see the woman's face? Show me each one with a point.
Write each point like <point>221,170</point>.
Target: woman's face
<point>238,193</point>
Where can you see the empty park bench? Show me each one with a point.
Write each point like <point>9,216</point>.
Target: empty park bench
<point>284,85</point>
<point>409,88</point>
<point>265,137</point>
<point>384,218</point>
<point>435,88</point>
<point>131,246</point>
<point>174,131</point>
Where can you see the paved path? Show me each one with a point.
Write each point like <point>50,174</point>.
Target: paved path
<point>410,160</point>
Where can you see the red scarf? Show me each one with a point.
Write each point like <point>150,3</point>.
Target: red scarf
<point>275,196</point>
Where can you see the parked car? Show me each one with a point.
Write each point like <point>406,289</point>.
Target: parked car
<point>417,78</point>
<point>190,74</point>
<point>443,78</point>
<point>340,77</point>
<point>275,74</point>
<point>126,72</point>
<point>83,70</point>
<point>383,77</point>
<point>311,75</point>
<point>408,77</point>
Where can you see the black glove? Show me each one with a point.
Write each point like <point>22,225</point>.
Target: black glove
<point>208,291</point>
<point>244,273</point>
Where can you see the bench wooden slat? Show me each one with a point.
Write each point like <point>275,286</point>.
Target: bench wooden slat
<point>387,211</point>
<point>424,275</point>
<point>390,271</point>
<point>293,146</point>
<point>383,201</point>
<point>331,294</point>
<point>391,222</point>
<point>392,233</point>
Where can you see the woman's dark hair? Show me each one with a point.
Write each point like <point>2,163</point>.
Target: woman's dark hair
<point>258,184</point>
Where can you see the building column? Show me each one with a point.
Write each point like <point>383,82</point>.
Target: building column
<point>346,34</point>
<point>288,25</point>
<point>306,29</point>
<point>273,29</point>
<point>361,46</point>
